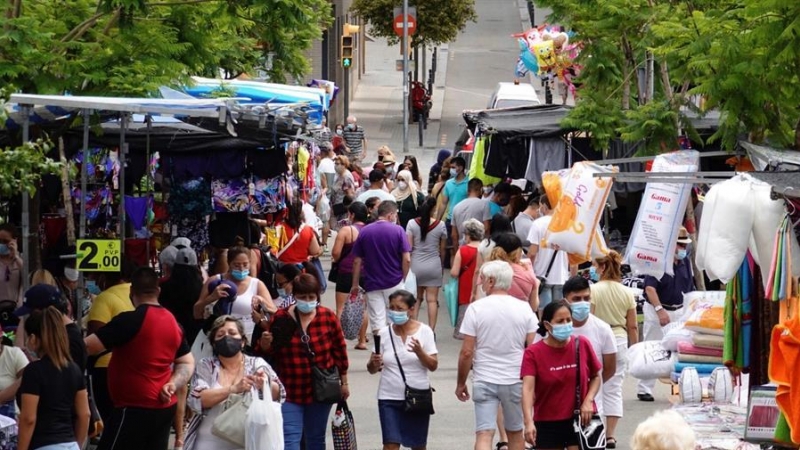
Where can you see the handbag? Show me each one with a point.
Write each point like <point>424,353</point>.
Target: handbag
<point>592,436</point>
<point>343,428</point>
<point>543,279</point>
<point>353,314</point>
<point>416,400</point>
<point>230,423</point>
<point>326,384</point>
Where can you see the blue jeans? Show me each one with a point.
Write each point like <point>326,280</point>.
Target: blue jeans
<point>550,293</point>
<point>63,446</point>
<point>311,420</point>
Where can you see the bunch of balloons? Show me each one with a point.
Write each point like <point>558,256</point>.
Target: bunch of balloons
<point>546,51</point>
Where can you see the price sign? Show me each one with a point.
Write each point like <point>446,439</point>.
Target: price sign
<point>99,255</point>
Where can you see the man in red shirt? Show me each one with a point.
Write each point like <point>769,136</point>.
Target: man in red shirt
<point>150,359</point>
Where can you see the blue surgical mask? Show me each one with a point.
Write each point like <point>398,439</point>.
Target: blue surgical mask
<point>240,274</point>
<point>92,287</point>
<point>282,292</point>
<point>306,307</point>
<point>4,250</point>
<point>562,332</point>
<point>593,275</point>
<point>580,310</point>
<point>397,317</point>
<point>682,253</point>
<point>453,172</point>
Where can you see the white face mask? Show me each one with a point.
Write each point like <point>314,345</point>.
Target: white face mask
<point>402,185</point>
<point>71,274</point>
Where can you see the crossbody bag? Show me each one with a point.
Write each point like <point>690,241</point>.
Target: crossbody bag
<point>543,279</point>
<point>416,400</point>
<point>326,384</point>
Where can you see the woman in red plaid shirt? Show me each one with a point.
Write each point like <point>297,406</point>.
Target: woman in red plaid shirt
<point>290,356</point>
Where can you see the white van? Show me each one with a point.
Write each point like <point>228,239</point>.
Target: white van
<point>510,95</point>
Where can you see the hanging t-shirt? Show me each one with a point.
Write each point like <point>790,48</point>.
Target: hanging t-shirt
<point>556,377</point>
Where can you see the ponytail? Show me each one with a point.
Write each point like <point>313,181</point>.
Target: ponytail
<point>48,327</point>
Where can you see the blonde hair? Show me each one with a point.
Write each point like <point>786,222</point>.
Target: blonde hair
<point>499,254</point>
<point>612,266</point>
<point>43,276</point>
<point>344,160</point>
<point>664,430</point>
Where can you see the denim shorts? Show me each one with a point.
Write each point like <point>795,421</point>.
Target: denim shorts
<point>488,397</point>
<point>400,427</point>
<point>549,293</point>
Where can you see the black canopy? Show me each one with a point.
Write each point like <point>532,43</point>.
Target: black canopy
<point>528,121</point>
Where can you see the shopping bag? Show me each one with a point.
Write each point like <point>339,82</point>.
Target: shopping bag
<point>410,284</point>
<point>451,297</point>
<point>263,423</point>
<point>343,428</point>
<point>353,314</point>
<point>201,348</point>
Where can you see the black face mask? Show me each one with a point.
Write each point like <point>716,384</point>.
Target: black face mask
<point>380,157</point>
<point>228,346</point>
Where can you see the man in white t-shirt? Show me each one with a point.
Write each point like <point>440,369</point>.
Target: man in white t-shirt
<point>496,330</point>
<point>543,258</point>
<point>376,180</point>
<point>579,295</point>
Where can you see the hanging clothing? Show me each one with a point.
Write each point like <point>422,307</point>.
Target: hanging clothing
<point>217,164</point>
<point>545,154</point>
<point>226,227</point>
<point>196,230</point>
<point>476,167</point>
<point>784,370</point>
<point>190,199</point>
<point>136,251</point>
<point>267,163</point>
<point>136,210</point>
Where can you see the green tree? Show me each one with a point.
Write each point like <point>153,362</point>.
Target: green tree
<point>438,21</point>
<point>742,57</point>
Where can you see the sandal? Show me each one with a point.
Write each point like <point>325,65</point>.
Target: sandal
<point>360,346</point>
<point>611,442</point>
<point>502,446</point>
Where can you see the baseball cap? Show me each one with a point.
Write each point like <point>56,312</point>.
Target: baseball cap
<point>181,242</point>
<point>186,256</point>
<point>223,305</point>
<point>39,296</point>
<point>167,256</point>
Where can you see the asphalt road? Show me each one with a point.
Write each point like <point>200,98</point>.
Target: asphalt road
<point>483,55</point>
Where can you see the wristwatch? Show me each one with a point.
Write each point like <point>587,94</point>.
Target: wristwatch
<point>658,308</point>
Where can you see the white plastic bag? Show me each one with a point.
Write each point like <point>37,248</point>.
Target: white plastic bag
<point>691,389</point>
<point>324,208</point>
<point>720,385</point>
<point>675,333</point>
<point>263,423</point>
<point>411,283</point>
<point>650,360</point>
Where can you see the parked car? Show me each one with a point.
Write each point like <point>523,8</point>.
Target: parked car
<point>511,95</point>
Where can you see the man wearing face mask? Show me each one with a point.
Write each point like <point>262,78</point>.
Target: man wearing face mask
<point>455,189</point>
<point>355,139</point>
<point>665,301</point>
<point>151,359</point>
<point>579,295</point>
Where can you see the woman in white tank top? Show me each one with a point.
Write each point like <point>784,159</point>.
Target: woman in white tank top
<point>252,294</point>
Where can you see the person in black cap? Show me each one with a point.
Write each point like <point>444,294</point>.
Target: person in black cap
<point>41,296</point>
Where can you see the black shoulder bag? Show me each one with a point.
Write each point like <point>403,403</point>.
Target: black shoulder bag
<point>543,279</point>
<point>593,435</point>
<point>417,400</point>
<point>326,384</point>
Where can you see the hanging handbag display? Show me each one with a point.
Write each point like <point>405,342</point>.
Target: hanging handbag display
<point>592,436</point>
<point>417,400</point>
<point>230,423</point>
<point>326,384</point>
<point>543,280</point>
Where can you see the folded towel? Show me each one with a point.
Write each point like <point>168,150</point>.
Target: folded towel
<point>704,359</point>
<point>687,348</point>
<point>702,368</point>
<point>708,340</point>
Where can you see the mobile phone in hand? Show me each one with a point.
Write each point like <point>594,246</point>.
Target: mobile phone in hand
<point>377,339</point>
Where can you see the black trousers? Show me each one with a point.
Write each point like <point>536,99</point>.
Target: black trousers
<point>138,429</point>
<point>102,398</point>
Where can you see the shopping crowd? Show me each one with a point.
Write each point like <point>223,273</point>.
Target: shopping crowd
<point>191,347</point>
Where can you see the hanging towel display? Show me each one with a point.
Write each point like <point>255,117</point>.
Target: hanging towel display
<point>778,285</point>
<point>784,371</point>
<point>738,319</point>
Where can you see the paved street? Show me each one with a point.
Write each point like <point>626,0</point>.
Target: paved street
<point>469,69</point>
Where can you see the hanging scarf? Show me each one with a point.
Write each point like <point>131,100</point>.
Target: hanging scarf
<point>411,190</point>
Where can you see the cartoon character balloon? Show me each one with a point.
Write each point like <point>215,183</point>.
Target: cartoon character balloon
<point>548,52</point>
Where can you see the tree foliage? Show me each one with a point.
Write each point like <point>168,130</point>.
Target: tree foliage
<point>741,57</point>
<point>132,47</point>
<point>438,21</point>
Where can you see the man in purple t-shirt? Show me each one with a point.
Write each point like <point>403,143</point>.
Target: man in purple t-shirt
<point>384,248</point>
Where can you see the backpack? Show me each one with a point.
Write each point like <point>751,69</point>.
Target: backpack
<point>268,269</point>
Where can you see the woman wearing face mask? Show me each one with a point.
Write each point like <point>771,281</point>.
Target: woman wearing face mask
<point>407,197</point>
<point>10,265</point>
<point>411,345</point>
<point>228,372</point>
<point>302,416</point>
<point>614,304</point>
<point>343,186</point>
<point>549,377</point>
<point>337,139</point>
<point>251,293</point>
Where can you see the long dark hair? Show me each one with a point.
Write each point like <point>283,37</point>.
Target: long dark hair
<point>187,281</point>
<point>359,211</point>
<point>413,168</point>
<point>292,271</point>
<point>500,224</point>
<point>425,212</point>
<point>295,217</point>
<point>548,313</point>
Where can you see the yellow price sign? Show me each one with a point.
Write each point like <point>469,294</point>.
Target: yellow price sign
<point>99,255</point>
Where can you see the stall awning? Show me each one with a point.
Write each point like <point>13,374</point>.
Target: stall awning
<point>179,107</point>
<point>769,158</point>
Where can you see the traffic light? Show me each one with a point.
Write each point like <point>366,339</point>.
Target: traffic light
<point>346,51</point>
<point>349,30</point>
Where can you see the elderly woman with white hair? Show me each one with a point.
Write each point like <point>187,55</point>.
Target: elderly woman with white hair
<point>664,430</point>
<point>463,268</point>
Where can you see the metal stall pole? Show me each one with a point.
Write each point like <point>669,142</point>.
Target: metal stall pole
<point>150,183</point>
<point>123,125</point>
<point>84,182</point>
<point>25,223</point>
